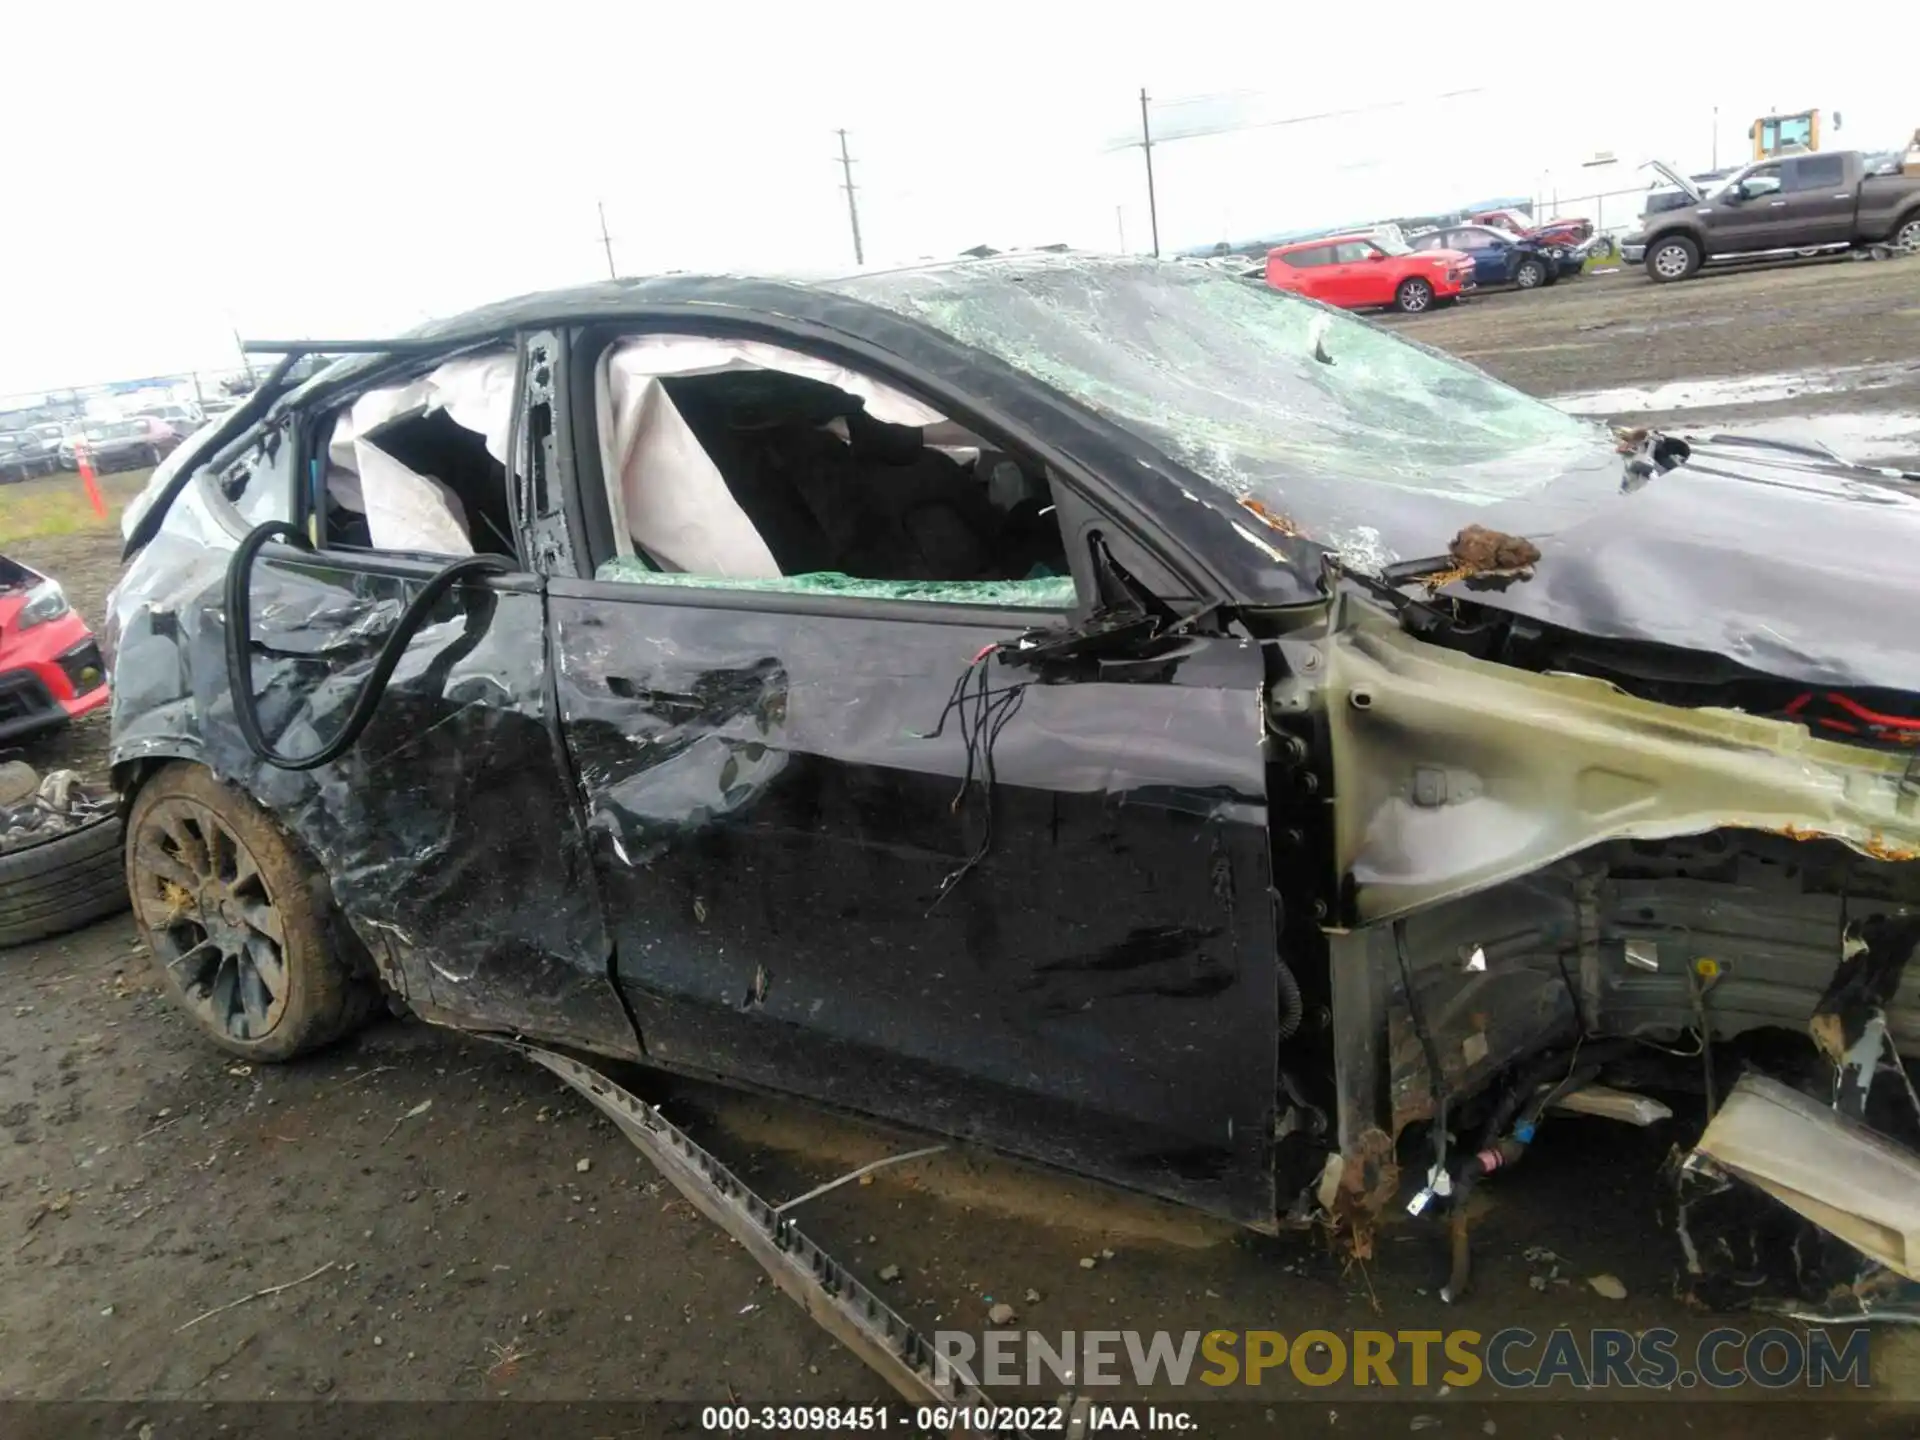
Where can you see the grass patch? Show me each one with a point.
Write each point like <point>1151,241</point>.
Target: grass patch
<point>58,505</point>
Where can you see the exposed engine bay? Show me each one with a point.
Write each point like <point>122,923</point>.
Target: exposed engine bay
<point>1578,870</point>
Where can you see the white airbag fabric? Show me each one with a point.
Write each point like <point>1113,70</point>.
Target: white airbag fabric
<point>406,510</point>
<point>667,496</point>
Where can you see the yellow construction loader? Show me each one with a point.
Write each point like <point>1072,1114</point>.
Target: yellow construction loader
<point>1794,134</point>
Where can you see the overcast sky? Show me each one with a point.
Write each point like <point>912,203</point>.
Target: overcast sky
<point>351,168</point>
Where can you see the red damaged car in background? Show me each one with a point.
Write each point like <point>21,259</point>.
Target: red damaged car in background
<point>1571,234</point>
<point>60,860</point>
<point>50,666</point>
<point>1355,272</point>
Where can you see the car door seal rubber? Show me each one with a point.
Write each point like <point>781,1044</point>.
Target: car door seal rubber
<point>239,606</point>
<point>819,1284</point>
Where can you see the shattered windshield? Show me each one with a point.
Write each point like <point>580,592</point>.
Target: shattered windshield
<point>1222,375</point>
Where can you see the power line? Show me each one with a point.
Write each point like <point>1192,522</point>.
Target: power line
<point>853,207</point>
<point>1234,123</point>
<point>1146,149</point>
<point>606,240</point>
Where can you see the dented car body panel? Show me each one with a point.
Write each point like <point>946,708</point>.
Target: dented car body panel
<point>454,800</point>
<point>1754,553</point>
<point>785,840</point>
<point>1207,886</point>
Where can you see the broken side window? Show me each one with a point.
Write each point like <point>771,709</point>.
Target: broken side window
<point>744,465</point>
<point>420,466</point>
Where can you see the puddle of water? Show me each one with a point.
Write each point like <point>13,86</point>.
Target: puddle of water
<point>1865,439</point>
<point>1734,390</point>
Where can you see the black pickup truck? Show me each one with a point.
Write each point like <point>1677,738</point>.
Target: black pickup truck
<point>1788,204</point>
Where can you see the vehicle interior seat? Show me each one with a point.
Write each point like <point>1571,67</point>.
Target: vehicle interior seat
<point>831,488</point>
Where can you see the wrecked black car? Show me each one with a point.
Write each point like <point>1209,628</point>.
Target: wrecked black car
<point>1099,709</point>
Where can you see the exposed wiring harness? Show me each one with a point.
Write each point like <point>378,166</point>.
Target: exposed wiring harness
<point>982,713</point>
<point>1522,1108</point>
<point>1849,717</point>
<point>239,607</point>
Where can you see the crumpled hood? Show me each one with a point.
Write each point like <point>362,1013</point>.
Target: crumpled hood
<point>1778,558</point>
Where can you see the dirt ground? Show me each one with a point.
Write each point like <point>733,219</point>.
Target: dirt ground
<point>441,1221</point>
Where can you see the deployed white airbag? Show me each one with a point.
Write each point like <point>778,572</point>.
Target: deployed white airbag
<point>406,510</point>
<point>667,496</point>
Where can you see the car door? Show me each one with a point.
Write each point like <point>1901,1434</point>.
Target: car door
<point>1819,204</point>
<point>1315,278</point>
<point>1489,260</point>
<point>1749,215</point>
<point>1497,256</point>
<point>448,831</point>
<point>1336,279</point>
<point>861,850</point>
<point>1366,276</point>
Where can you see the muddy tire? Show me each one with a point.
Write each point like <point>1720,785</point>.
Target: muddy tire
<point>1414,296</point>
<point>240,922</point>
<point>56,885</point>
<point>1673,258</point>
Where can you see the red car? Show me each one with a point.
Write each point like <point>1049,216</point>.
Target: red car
<point>1356,271</point>
<point>50,665</point>
<point>1570,233</point>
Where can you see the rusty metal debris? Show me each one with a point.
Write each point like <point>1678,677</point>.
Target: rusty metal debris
<point>1273,519</point>
<point>40,807</point>
<point>1356,1188</point>
<point>1874,847</point>
<point>1475,553</point>
<point>1479,550</point>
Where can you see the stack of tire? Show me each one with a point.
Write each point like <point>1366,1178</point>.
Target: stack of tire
<point>59,879</point>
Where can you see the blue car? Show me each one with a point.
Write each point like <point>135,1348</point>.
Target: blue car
<point>1499,256</point>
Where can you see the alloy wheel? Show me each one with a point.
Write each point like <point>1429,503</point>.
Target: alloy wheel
<point>1908,237</point>
<point>211,918</point>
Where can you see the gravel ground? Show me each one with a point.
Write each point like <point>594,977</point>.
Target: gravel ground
<point>1806,347</point>
<point>449,1224</point>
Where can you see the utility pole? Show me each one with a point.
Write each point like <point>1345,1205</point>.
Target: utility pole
<point>853,206</point>
<point>1120,223</point>
<point>1146,148</point>
<point>1716,137</point>
<point>606,240</point>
